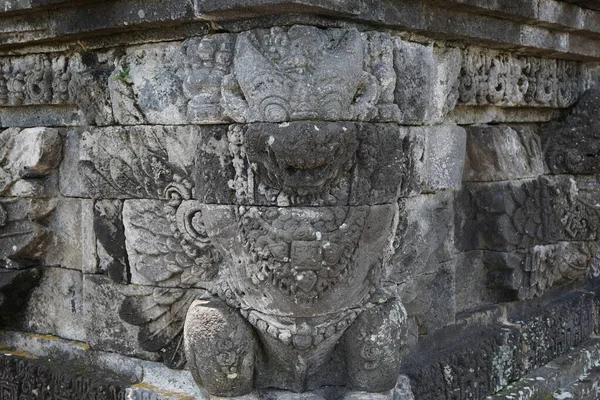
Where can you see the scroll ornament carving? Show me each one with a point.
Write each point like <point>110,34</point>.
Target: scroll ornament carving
<point>260,296</point>
<point>573,145</point>
<point>551,230</point>
<point>31,80</point>
<point>493,78</point>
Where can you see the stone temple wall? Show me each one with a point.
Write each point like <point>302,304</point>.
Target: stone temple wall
<point>299,199</point>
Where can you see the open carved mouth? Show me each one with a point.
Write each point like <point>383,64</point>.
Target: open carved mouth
<point>302,157</point>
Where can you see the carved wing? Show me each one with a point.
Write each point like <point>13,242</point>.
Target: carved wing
<point>173,258</point>
<point>138,162</point>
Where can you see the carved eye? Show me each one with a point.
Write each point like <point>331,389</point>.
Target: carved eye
<point>275,113</point>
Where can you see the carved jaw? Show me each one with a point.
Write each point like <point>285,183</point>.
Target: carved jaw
<point>302,158</point>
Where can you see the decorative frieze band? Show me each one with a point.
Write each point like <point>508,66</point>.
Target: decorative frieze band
<point>262,75</point>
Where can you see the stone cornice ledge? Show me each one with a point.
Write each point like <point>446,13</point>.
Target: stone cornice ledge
<point>543,27</point>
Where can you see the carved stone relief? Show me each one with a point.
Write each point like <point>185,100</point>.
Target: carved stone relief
<point>330,75</point>
<point>23,378</point>
<point>27,158</point>
<point>539,233</point>
<point>502,79</point>
<point>276,235</point>
<point>475,359</point>
<point>572,146</point>
<point>51,79</point>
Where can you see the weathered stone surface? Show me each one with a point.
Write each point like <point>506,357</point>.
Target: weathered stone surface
<point>473,290</point>
<point>105,331</point>
<point>499,153</point>
<point>531,272</point>
<point>14,290</point>
<point>585,3</point>
<point>200,81</point>
<point>73,242</point>
<point>136,162</point>
<point>41,80</point>
<point>533,212</point>
<point>160,249</point>
<point>221,347</point>
<point>440,164</point>
<point>305,73</point>
<point>55,306</point>
<point>478,358</point>
<point>378,334</point>
<point>501,79</point>
<point>421,266</point>
<point>24,231</point>
<point>371,164</point>
<point>571,376</point>
<point>172,84</point>
<point>309,215</point>
<point>27,154</point>
<point>26,376</point>
<point>48,232</point>
<point>572,146</point>
<point>110,240</point>
<point>427,79</point>
<point>477,361</point>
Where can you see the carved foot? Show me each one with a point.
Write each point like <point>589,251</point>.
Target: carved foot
<point>220,348</point>
<point>373,347</point>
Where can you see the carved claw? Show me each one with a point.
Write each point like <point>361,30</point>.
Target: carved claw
<point>374,344</point>
<point>220,348</point>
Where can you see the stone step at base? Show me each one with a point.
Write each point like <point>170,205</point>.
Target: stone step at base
<point>587,387</point>
<point>574,375</point>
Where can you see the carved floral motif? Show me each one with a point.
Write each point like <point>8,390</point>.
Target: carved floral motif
<point>500,79</point>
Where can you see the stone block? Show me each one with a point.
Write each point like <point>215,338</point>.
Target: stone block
<point>351,77</point>
<point>521,214</point>
<point>36,82</point>
<point>422,266</point>
<point>54,378</point>
<point>473,290</point>
<point>204,81</point>
<point>440,165</point>
<point>500,152</point>
<point>24,233</point>
<point>491,77</point>
<point>426,83</point>
<point>372,164</point>
<point>477,361</point>
<point>104,330</point>
<point>73,242</point>
<point>54,232</point>
<point>572,146</point>
<point>134,162</point>
<point>161,252</point>
<point>55,306</point>
<point>527,273</point>
<point>41,115</point>
<point>110,240</point>
<point>27,154</point>
<point>162,383</point>
<point>175,83</point>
